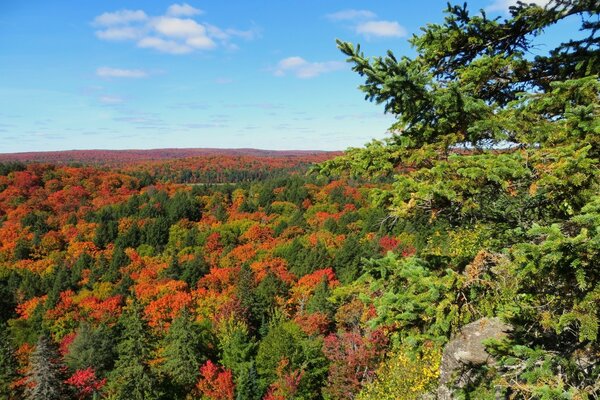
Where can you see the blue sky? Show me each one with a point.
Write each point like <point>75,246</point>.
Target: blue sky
<point>139,74</point>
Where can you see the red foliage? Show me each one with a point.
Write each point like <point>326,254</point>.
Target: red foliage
<point>66,342</point>
<point>216,383</point>
<point>85,383</point>
<point>26,309</point>
<point>313,324</point>
<point>257,233</point>
<point>312,280</point>
<point>276,266</point>
<point>286,384</point>
<point>102,310</point>
<point>354,358</point>
<point>388,243</point>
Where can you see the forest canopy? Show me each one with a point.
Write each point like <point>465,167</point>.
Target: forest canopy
<point>176,279</point>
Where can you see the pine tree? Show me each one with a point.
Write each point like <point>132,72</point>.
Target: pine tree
<point>237,355</point>
<point>132,377</point>
<point>182,351</point>
<point>8,365</point>
<point>92,347</point>
<point>45,378</point>
<point>495,156</point>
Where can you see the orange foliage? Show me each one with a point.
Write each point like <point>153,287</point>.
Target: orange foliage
<point>276,266</point>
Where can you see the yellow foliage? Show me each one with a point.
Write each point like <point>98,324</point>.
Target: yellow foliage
<point>404,376</point>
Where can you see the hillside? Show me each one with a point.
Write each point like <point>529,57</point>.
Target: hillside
<point>120,157</point>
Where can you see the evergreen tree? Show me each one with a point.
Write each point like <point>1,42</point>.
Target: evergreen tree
<point>245,286</point>
<point>237,352</point>
<point>349,257</point>
<point>92,347</point>
<point>183,352</point>
<point>194,269</point>
<point>8,365</point>
<point>45,378</point>
<point>319,302</point>
<point>265,296</point>
<point>286,343</point>
<point>132,377</point>
<point>503,148</point>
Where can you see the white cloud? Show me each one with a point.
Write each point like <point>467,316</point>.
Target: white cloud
<point>183,10</point>
<point>201,42</point>
<point>175,32</point>
<point>503,5</point>
<point>110,99</point>
<point>301,68</point>
<point>120,33</point>
<point>178,27</point>
<point>364,22</point>
<point>351,15</point>
<point>249,34</point>
<point>381,29</point>
<point>108,72</point>
<point>227,34</point>
<point>120,17</point>
<point>164,46</point>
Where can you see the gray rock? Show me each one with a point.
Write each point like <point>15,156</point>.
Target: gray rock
<point>466,350</point>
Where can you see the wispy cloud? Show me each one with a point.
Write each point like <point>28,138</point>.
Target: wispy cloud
<point>120,33</point>
<point>365,22</point>
<point>351,15</point>
<point>108,72</point>
<point>106,99</point>
<point>301,68</point>
<point>223,81</point>
<point>120,17</point>
<point>175,32</point>
<point>381,29</point>
<point>504,5</point>
<point>183,10</point>
<point>164,46</point>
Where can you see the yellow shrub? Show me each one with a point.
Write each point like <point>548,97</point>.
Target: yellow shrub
<point>403,376</point>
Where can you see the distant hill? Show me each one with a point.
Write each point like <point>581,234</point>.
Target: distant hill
<point>128,156</point>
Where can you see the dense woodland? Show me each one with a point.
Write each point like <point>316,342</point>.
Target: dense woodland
<point>128,282</point>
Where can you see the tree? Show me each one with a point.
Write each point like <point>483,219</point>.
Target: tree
<point>494,161</point>
<point>45,378</point>
<point>86,384</point>
<point>237,355</point>
<point>215,382</point>
<point>8,365</point>
<point>286,341</point>
<point>132,377</point>
<point>182,351</point>
<point>93,347</point>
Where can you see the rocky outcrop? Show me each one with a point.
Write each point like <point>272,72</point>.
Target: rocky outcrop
<point>465,351</point>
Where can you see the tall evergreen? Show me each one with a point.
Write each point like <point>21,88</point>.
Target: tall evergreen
<point>132,377</point>
<point>45,378</point>
<point>92,347</point>
<point>183,352</point>
<point>495,156</point>
<point>8,365</point>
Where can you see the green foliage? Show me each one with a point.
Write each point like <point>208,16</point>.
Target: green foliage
<point>93,347</point>
<point>183,352</point>
<point>8,366</point>
<point>45,379</point>
<point>285,342</point>
<point>494,158</point>
<point>237,354</point>
<point>132,377</point>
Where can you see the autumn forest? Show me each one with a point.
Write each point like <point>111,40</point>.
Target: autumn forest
<point>458,258</point>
